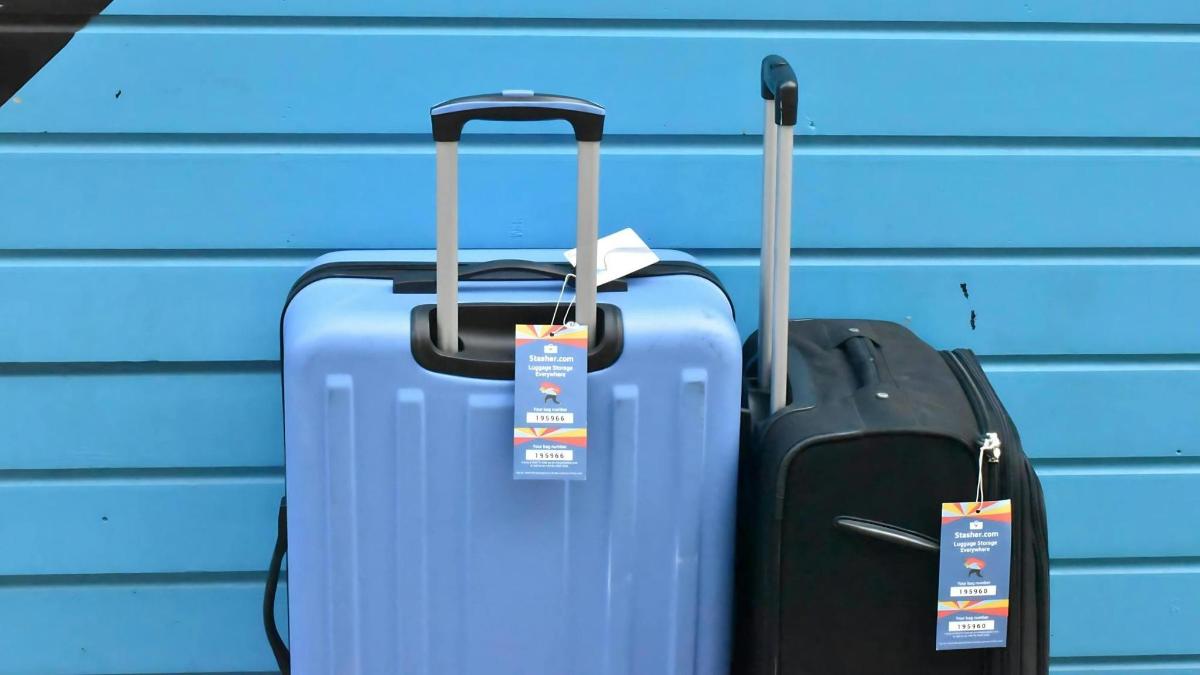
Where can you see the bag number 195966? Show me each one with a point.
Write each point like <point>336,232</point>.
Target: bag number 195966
<point>549,455</point>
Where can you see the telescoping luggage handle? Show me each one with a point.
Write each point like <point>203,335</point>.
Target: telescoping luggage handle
<point>779,92</point>
<point>448,119</point>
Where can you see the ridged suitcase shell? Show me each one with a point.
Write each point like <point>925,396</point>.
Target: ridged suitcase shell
<point>413,550</point>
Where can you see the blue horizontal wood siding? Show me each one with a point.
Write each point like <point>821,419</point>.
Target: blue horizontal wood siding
<point>1017,177</point>
<point>99,522</point>
<point>201,307</point>
<point>373,190</point>
<point>171,624</point>
<point>367,77</point>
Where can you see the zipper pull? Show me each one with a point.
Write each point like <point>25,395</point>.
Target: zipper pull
<point>989,445</point>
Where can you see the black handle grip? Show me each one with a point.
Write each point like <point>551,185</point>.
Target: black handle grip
<point>528,270</point>
<point>864,359</point>
<point>514,270</point>
<point>888,533</point>
<point>278,648</point>
<point>779,83</point>
<point>449,117</point>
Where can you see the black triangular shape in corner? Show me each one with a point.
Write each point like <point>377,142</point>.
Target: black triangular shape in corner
<point>33,31</point>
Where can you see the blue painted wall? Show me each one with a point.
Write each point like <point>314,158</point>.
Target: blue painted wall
<point>1044,154</point>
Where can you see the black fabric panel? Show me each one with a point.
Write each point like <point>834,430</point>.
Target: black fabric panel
<point>33,31</point>
<point>855,605</point>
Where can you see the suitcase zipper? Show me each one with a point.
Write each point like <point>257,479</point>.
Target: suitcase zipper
<point>991,403</point>
<point>990,442</point>
<point>982,393</point>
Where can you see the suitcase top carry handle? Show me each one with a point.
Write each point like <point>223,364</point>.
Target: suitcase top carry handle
<point>517,269</point>
<point>780,94</point>
<point>517,105</point>
<point>448,119</point>
<point>863,355</point>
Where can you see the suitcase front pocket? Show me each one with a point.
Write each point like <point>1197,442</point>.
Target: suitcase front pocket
<point>859,557</point>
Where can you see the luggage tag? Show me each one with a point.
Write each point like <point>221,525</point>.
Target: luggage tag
<point>550,387</point>
<point>973,566</point>
<point>550,397</point>
<point>617,255</point>
<point>973,574</point>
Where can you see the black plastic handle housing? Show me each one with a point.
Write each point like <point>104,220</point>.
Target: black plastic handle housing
<point>779,84</point>
<point>449,117</point>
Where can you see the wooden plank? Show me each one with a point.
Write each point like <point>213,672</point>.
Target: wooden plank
<point>86,417</point>
<point>143,311</point>
<point>891,82</point>
<point>1146,11</point>
<point>348,192</point>
<point>98,524</point>
<point>222,415</point>
<point>1124,497</point>
<point>1017,305</point>
<point>1102,409</point>
<point>1159,665</point>
<point>1125,611</point>
<point>210,627</point>
<point>135,626</point>
<point>225,521</point>
<point>202,309</point>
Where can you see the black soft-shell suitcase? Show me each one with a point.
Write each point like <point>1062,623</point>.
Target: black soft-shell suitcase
<point>853,437</point>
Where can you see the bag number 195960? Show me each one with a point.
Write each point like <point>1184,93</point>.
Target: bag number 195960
<point>972,591</point>
<point>968,626</point>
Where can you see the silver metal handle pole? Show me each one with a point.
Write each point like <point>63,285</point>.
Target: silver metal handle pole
<point>587,216</point>
<point>586,235</point>
<point>516,105</point>
<point>766,261</point>
<point>781,267</point>
<point>447,246</point>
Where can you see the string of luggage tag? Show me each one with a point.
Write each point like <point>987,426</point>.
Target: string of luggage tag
<point>561,291</point>
<point>979,482</point>
<point>990,441</point>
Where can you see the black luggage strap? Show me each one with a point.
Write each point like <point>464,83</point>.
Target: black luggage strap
<point>282,656</point>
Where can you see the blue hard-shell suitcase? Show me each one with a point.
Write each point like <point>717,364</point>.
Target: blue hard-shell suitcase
<point>413,549</point>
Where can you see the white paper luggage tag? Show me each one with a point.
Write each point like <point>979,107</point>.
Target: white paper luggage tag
<point>973,574</point>
<point>550,397</point>
<point>617,255</point>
